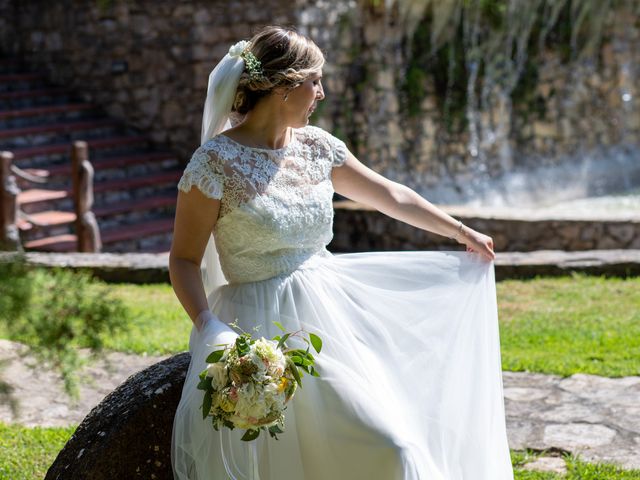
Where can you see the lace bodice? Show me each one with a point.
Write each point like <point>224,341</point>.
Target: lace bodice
<point>275,205</point>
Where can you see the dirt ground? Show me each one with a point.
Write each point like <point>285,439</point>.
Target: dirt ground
<point>36,395</point>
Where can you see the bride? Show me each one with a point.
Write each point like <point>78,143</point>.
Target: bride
<point>410,382</point>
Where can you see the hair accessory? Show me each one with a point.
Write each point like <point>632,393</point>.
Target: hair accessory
<point>238,48</point>
<point>251,63</point>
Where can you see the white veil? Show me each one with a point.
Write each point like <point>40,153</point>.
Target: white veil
<point>221,91</point>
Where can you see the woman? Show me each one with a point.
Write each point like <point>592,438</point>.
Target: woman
<point>410,382</point>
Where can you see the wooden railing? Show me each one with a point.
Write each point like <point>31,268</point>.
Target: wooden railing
<point>9,235</point>
<point>87,229</point>
<point>82,173</point>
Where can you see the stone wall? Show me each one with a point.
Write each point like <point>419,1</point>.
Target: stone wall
<point>561,109</point>
<point>9,39</point>
<point>147,62</point>
<point>358,228</point>
<point>143,268</point>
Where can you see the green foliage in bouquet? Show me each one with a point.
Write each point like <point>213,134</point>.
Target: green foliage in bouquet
<point>248,383</point>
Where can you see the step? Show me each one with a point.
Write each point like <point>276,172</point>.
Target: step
<point>61,148</point>
<point>45,219</point>
<point>148,203</point>
<point>18,82</point>
<point>20,77</point>
<point>131,232</point>
<point>58,133</point>
<point>58,128</point>
<point>104,164</point>
<point>135,182</point>
<point>43,92</point>
<point>11,65</point>
<point>41,96</point>
<point>58,243</point>
<point>162,248</point>
<point>36,111</point>
<point>37,195</point>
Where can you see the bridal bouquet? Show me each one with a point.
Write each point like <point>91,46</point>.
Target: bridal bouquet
<point>247,384</point>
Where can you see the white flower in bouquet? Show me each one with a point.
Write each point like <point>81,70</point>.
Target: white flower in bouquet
<point>219,375</point>
<point>251,402</point>
<point>248,383</point>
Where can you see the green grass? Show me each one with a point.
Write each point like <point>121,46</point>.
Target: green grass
<point>158,323</point>
<point>576,469</point>
<point>26,453</point>
<point>571,324</point>
<point>559,325</point>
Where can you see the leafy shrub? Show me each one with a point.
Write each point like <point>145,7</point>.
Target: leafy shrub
<point>55,312</point>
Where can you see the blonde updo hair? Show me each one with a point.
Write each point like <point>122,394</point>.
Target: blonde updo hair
<point>287,58</point>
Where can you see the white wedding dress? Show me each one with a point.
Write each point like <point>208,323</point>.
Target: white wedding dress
<point>410,385</point>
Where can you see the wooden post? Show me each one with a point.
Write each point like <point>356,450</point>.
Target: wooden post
<point>87,229</point>
<point>9,235</point>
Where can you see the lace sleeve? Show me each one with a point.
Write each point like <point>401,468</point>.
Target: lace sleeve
<point>338,150</point>
<point>204,171</point>
<point>329,145</point>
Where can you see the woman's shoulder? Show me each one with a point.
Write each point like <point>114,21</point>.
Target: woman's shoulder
<point>216,151</point>
<point>204,171</point>
<point>312,134</point>
<point>328,144</point>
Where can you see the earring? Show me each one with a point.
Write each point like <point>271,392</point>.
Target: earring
<point>285,97</point>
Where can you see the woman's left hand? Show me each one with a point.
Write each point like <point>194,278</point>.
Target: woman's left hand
<point>477,242</point>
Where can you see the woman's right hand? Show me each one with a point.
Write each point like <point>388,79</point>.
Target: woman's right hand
<point>477,242</point>
<point>215,328</point>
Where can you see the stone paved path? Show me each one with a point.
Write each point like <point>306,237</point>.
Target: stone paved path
<point>596,417</point>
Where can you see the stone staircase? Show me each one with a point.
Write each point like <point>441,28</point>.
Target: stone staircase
<point>134,186</point>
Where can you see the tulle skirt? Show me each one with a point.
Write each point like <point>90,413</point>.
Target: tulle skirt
<point>410,385</point>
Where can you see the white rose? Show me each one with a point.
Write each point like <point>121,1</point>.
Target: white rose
<point>218,374</point>
<point>238,48</point>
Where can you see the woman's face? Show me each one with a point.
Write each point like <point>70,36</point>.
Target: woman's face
<point>302,100</point>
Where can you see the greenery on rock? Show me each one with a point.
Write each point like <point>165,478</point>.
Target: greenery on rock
<point>502,41</point>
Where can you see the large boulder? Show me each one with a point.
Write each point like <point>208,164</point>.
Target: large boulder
<point>128,435</point>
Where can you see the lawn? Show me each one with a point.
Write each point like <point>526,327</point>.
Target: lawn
<point>561,325</point>
<point>28,452</point>
<point>571,324</point>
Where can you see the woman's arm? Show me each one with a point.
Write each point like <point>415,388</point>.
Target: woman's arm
<point>361,184</point>
<point>196,215</point>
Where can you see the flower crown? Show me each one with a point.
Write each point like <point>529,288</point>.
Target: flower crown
<point>251,64</point>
